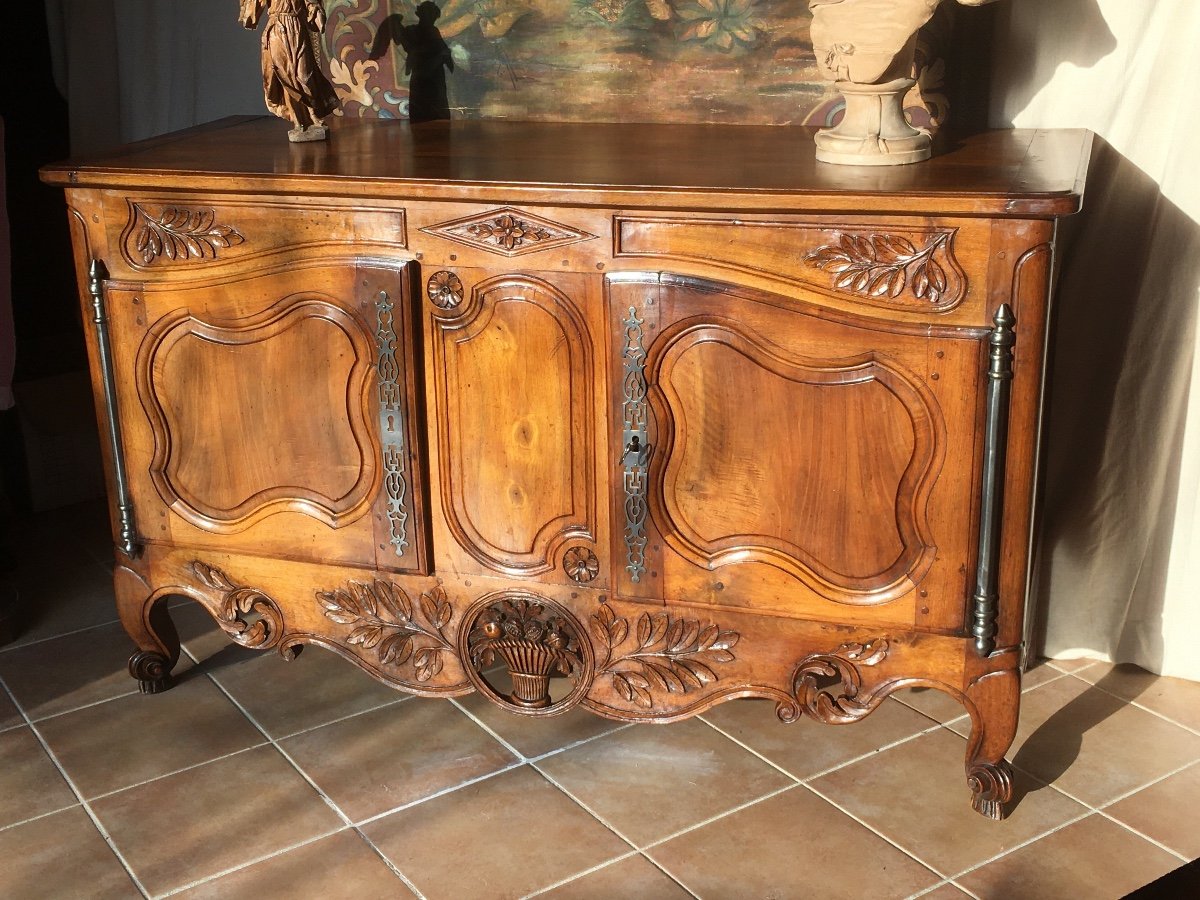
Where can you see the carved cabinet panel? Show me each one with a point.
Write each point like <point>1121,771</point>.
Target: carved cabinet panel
<point>273,410</point>
<point>515,389</point>
<point>791,459</point>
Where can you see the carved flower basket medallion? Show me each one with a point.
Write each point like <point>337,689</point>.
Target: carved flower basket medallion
<point>536,640</point>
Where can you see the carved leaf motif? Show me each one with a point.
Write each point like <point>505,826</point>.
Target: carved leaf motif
<point>885,265</point>
<point>264,630</point>
<point>384,618</point>
<point>826,685</point>
<point>179,233</point>
<point>675,655</point>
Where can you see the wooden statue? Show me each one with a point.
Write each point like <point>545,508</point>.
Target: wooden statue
<point>866,47</point>
<point>294,86</point>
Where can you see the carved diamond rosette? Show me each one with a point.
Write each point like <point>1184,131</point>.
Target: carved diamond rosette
<point>892,267</point>
<point>537,641</point>
<point>508,232</point>
<point>176,234</point>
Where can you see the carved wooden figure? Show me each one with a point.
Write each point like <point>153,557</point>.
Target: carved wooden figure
<point>642,433</point>
<point>294,85</point>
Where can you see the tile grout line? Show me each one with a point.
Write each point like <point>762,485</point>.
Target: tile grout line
<point>200,765</point>
<point>75,709</point>
<point>337,810</point>
<point>52,812</point>
<point>936,726</point>
<point>339,719</point>
<point>1088,811</point>
<point>54,637</point>
<point>970,893</point>
<point>516,764</point>
<point>1127,701</point>
<point>96,823</point>
<point>603,821</point>
<point>488,729</point>
<point>596,868</point>
<point>1106,804</point>
<point>1159,844</point>
<point>658,842</point>
<point>253,862</point>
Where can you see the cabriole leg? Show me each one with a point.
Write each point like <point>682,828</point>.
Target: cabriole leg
<point>147,621</point>
<point>995,697</point>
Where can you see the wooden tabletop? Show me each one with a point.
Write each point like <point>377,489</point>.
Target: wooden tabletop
<point>1025,173</point>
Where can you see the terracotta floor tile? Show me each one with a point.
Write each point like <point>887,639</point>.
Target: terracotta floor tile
<point>1070,665</point>
<point>808,747</point>
<point>534,737</point>
<point>502,837</point>
<point>68,672</point>
<point>937,705</point>
<point>132,739</point>
<point>944,708</point>
<point>1175,698</point>
<point>341,865</point>
<point>1093,745</point>
<point>916,795</point>
<point>10,716</point>
<point>61,856</point>
<point>1166,811</point>
<point>1092,858</point>
<point>204,639</point>
<point>792,845</point>
<point>634,877</point>
<point>72,592</point>
<point>315,688</point>
<point>179,829</point>
<point>650,781</point>
<point>391,756</point>
<point>30,783</point>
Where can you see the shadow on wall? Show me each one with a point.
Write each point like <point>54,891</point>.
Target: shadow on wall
<point>1116,407</point>
<point>1085,43</point>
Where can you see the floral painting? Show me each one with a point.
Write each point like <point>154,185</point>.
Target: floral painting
<point>729,61</point>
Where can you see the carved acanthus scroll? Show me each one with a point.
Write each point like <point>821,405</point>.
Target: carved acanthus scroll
<point>827,685</point>
<point>262,632</point>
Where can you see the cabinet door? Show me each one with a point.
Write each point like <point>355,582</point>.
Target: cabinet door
<point>784,458</point>
<point>270,411</point>
<point>514,386</point>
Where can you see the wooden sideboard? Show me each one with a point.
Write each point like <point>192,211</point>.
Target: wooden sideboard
<point>639,418</point>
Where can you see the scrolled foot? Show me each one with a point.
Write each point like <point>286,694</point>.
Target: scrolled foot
<point>152,671</point>
<point>991,788</point>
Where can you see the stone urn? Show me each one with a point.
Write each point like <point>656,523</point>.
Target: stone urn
<point>866,48</point>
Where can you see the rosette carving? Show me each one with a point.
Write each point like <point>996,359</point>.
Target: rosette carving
<point>887,265</point>
<point>581,564</point>
<point>672,655</point>
<point>534,645</point>
<point>444,289</point>
<point>263,630</point>
<point>386,620</point>
<point>826,685</point>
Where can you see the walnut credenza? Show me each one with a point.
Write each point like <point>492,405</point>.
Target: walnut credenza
<point>642,418</point>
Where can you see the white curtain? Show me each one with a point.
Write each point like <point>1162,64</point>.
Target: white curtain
<point>1119,564</point>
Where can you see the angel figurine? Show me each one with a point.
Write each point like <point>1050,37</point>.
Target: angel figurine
<point>866,48</point>
<point>294,86</point>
